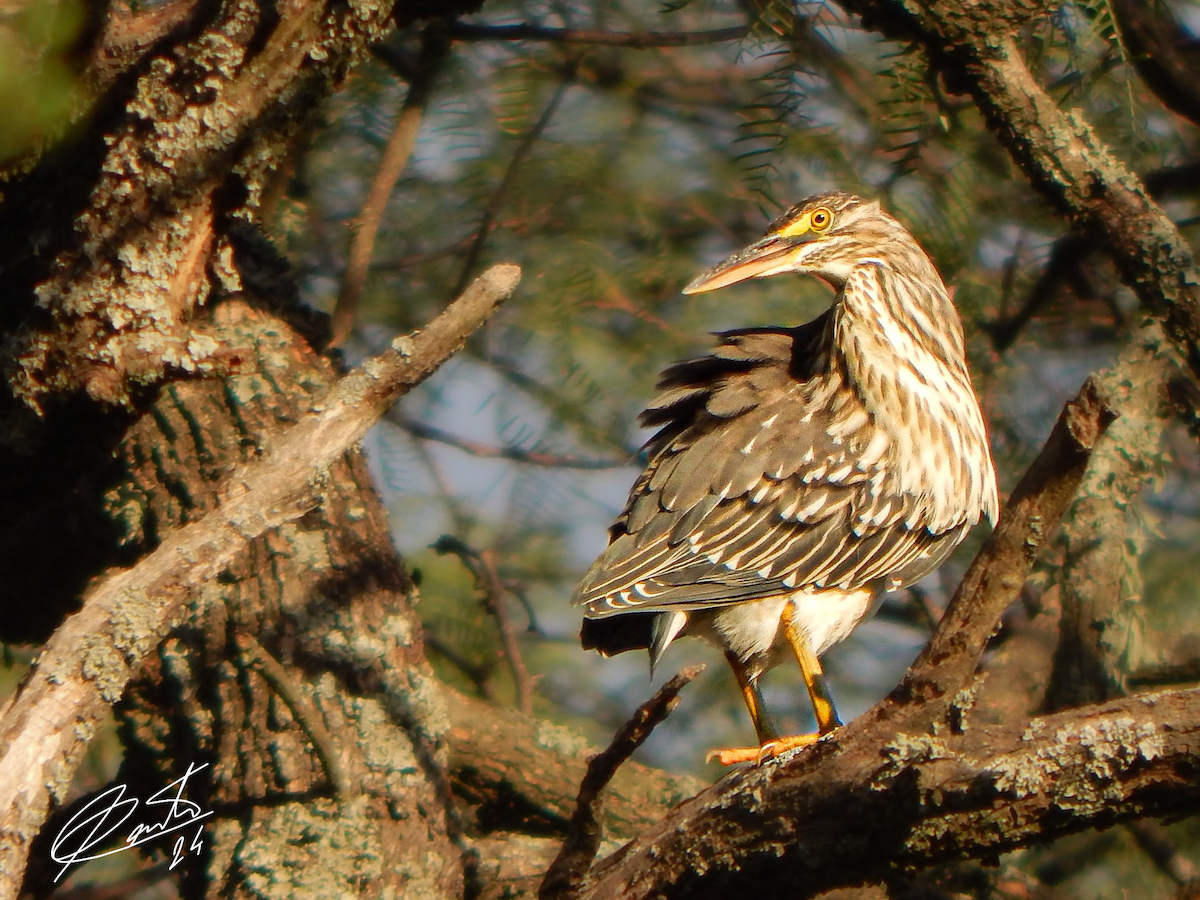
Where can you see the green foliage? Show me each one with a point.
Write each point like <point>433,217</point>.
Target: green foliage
<point>37,82</point>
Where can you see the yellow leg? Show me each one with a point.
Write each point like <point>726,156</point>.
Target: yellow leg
<point>813,674</point>
<point>754,701</point>
<point>818,693</point>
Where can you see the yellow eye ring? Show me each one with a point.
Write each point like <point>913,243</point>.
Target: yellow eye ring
<point>820,219</point>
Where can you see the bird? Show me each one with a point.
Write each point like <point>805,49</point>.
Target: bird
<point>799,474</point>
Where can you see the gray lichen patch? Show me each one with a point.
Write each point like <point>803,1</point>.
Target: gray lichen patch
<point>1084,764</point>
<point>905,751</point>
<point>316,849</point>
<point>562,740</point>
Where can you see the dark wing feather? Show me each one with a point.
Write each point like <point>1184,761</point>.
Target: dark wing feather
<point>748,495</point>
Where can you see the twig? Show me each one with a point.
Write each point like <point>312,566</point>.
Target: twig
<point>489,451</point>
<point>1067,257</point>
<point>88,661</point>
<point>565,875</point>
<point>302,708</point>
<point>483,567</point>
<point>638,40</point>
<point>517,589</point>
<point>395,157</point>
<point>523,149</point>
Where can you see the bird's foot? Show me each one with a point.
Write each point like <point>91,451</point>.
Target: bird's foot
<point>769,750</point>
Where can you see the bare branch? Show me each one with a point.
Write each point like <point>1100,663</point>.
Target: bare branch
<point>526,145</point>
<point>395,157</point>
<point>489,451</point>
<point>565,875</point>
<point>483,567</point>
<point>87,663</point>
<point>638,40</point>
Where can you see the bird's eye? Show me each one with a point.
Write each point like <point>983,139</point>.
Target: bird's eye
<point>820,219</point>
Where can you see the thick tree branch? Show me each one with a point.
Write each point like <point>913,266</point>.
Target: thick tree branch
<point>797,830</point>
<point>87,663</point>
<point>1100,635</point>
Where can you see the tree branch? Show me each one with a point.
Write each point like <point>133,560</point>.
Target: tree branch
<point>528,140</point>
<point>483,567</point>
<point>395,157</point>
<point>566,873</point>
<point>87,663</point>
<point>488,451</point>
<point>797,830</point>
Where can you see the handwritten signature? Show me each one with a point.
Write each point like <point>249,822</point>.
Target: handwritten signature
<point>107,812</point>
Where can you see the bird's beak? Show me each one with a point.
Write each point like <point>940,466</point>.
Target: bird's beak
<point>764,257</point>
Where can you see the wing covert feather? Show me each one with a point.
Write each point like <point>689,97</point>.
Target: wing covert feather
<point>755,487</point>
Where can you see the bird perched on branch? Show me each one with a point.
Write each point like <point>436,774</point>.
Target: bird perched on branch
<point>800,473</point>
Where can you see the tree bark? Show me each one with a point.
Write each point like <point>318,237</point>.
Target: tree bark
<point>1101,632</point>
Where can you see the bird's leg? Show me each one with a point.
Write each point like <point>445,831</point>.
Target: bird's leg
<point>813,674</point>
<point>753,697</point>
<point>818,693</point>
<point>758,714</point>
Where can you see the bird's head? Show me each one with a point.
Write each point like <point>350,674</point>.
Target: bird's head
<point>826,235</point>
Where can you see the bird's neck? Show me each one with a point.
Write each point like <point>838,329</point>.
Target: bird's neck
<point>901,343</point>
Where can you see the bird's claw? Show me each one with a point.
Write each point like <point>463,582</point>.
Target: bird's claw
<point>759,755</point>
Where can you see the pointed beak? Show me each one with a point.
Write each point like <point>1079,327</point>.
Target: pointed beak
<point>763,257</point>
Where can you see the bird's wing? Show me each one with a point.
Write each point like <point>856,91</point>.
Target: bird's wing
<point>766,476</point>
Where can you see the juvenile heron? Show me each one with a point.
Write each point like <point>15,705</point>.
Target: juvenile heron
<point>800,473</point>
